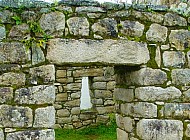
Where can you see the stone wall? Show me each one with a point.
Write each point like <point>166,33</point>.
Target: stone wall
<point>45,52</point>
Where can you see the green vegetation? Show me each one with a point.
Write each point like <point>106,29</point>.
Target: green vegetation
<point>100,132</point>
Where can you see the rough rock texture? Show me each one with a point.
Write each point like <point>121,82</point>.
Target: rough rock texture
<point>174,19</point>
<point>108,51</point>
<point>37,55</point>
<point>43,94</point>
<point>157,33</point>
<point>180,39</point>
<point>149,129</point>
<point>6,94</point>
<point>12,79</point>
<point>146,76</point>
<point>181,76</point>
<point>1,134</point>
<point>139,109</point>
<point>106,26</point>
<point>78,26</point>
<point>132,28</point>
<point>157,93</point>
<point>175,59</point>
<point>122,135</point>
<point>46,134</point>
<point>14,116</point>
<point>44,117</point>
<point>89,9</point>
<point>2,32</point>
<point>187,132</point>
<point>53,23</point>
<point>125,123</point>
<point>13,52</point>
<point>123,94</point>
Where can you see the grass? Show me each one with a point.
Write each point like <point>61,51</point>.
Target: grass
<point>100,132</point>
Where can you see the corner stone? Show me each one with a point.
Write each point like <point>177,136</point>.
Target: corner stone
<point>153,129</point>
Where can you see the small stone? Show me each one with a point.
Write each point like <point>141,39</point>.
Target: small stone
<point>61,97</point>
<point>1,134</point>
<point>76,95</point>
<point>103,94</point>
<point>180,76</point>
<point>99,85</point>
<point>74,86</point>
<point>105,110</point>
<point>6,94</point>
<point>53,23</point>
<point>149,129</point>
<point>124,123</point>
<point>88,72</point>
<point>44,117</point>
<point>75,110</point>
<point>37,55</point>
<point>8,130</point>
<point>90,9</point>
<point>157,93</point>
<point>165,47</point>
<point>102,119</point>
<point>122,135</point>
<point>111,85</point>
<point>175,59</point>
<point>6,16</point>
<point>97,101</point>
<point>123,94</point>
<point>179,39</point>
<point>120,14</point>
<point>139,109</point>
<point>63,113</point>
<point>132,28</point>
<point>171,19</point>
<point>158,57</point>
<point>188,58</point>
<point>157,33</point>
<point>46,134</point>
<point>187,132</point>
<point>186,95</point>
<point>2,32</point>
<point>72,103</point>
<point>29,15</point>
<point>78,26</point>
<point>105,27</point>
<point>61,73</point>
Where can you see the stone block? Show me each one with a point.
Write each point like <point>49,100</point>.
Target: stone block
<point>157,33</point>
<point>171,19</point>
<point>152,93</point>
<point>42,94</point>
<point>87,116</point>
<point>188,58</point>
<point>97,101</point>
<point>64,120</point>
<point>6,16</point>
<point>12,79</point>
<point>187,131</point>
<point>139,109</point>
<point>78,26</point>
<point>74,86</point>
<point>180,76</point>
<point>6,94</point>
<point>125,123</point>
<point>73,103</point>
<point>14,116</point>
<point>13,52</point>
<point>102,118</point>
<point>63,113</point>
<point>88,72</point>
<point>46,134</point>
<point>146,76</point>
<point>158,57</point>
<point>111,85</point>
<point>153,129</point>
<point>53,23</point>
<point>179,39</point>
<point>44,74</point>
<point>61,97</point>
<point>80,51</point>
<point>186,95</point>
<point>132,28</point>
<point>1,134</point>
<point>44,117</point>
<point>2,32</point>
<point>99,85</point>
<point>76,95</point>
<point>103,94</point>
<point>75,110</point>
<point>177,110</point>
<point>122,135</point>
<point>37,54</point>
<point>105,110</point>
<point>89,9</point>
<point>174,59</point>
<point>123,94</point>
<point>105,27</point>
<point>61,73</point>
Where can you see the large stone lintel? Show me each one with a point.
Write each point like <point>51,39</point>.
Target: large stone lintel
<point>110,52</point>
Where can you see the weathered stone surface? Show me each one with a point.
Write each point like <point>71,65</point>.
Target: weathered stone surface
<point>123,94</point>
<point>139,109</point>
<point>61,97</point>
<point>132,28</point>
<point>20,32</point>
<point>29,15</point>
<point>180,76</point>
<point>102,119</point>
<point>78,26</point>
<point>187,131</point>
<point>105,27</point>
<point>153,129</point>
<point>97,101</point>
<point>122,135</point>
<point>103,94</point>
<point>186,95</point>
<point>174,19</point>
<point>75,110</point>
<point>37,55</point>
<point>177,110</point>
<point>124,122</point>
<point>12,79</point>
<point>13,52</point>
<point>188,58</point>
<point>73,103</point>
<point>1,134</point>
<point>120,14</point>
<point>148,16</point>
<point>6,94</point>
<point>157,93</point>
<point>42,94</point>
<point>175,59</point>
<point>89,9</point>
<point>157,33</point>
<point>6,16</point>
<point>106,51</point>
<point>158,57</point>
<point>94,15</point>
<point>63,113</point>
<point>111,85</point>
<point>99,85</point>
<point>105,110</point>
<point>45,74</point>
<point>14,116</point>
<point>88,72</point>
<point>44,117</point>
<point>2,32</point>
<point>53,23</point>
<point>74,86</point>
<point>46,134</point>
<point>179,39</point>
<point>146,76</point>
